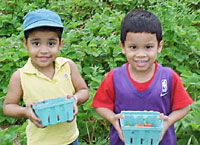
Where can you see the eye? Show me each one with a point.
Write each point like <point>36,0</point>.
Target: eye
<point>36,43</point>
<point>149,46</point>
<point>51,43</point>
<point>132,47</point>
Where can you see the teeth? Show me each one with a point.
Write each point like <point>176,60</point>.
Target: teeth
<point>140,61</point>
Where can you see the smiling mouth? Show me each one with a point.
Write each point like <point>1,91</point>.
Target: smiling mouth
<point>43,58</point>
<point>141,63</point>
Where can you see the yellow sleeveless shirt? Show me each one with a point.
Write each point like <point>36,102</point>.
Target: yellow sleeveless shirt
<point>37,87</point>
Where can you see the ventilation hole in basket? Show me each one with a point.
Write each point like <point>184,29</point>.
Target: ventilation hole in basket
<point>48,119</point>
<point>131,140</point>
<point>132,132</point>
<point>151,141</point>
<point>58,118</point>
<point>142,140</point>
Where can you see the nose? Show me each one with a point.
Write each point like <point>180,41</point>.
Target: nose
<point>44,49</point>
<point>140,53</point>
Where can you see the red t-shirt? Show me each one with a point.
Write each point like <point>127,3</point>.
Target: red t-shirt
<point>105,96</point>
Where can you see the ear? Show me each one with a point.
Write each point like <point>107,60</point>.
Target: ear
<point>25,43</point>
<point>160,46</point>
<point>122,47</point>
<point>60,44</point>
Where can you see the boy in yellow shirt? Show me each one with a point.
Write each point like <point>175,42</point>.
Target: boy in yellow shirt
<point>45,76</point>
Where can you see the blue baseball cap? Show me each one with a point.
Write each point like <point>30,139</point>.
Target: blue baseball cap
<point>40,18</point>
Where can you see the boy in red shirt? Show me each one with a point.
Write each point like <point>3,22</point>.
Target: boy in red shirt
<point>142,83</point>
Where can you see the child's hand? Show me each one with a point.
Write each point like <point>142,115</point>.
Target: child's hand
<point>75,107</point>
<point>165,125</point>
<point>116,125</point>
<point>31,115</point>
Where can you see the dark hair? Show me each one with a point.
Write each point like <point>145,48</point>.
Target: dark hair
<point>140,21</point>
<point>44,28</point>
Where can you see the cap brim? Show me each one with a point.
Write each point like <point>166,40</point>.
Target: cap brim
<point>43,23</point>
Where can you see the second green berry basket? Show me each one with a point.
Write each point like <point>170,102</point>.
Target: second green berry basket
<point>134,130</point>
<point>53,111</point>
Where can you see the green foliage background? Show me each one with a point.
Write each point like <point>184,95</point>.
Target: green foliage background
<point>91,39</point>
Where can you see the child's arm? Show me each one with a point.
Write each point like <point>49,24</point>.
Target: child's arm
<point>173,117</point>
<point>112,118</point>
<point>81,89</point>
<point>13,96</point>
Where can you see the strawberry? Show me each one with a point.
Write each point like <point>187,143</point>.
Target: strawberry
<point>139,125</point>
<point>148,125</point>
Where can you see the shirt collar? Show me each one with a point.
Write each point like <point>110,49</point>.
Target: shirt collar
<point>30,69</point>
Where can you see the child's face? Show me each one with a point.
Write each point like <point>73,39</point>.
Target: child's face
<point>43,48</point>
<point>141,50</point>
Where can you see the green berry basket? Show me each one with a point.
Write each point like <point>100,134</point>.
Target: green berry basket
<point>135,131</point>
<point>53,111</point>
